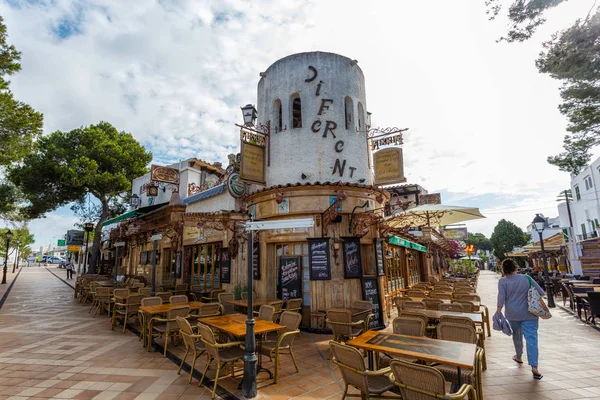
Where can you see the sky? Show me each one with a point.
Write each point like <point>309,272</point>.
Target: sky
<point>174,73</point>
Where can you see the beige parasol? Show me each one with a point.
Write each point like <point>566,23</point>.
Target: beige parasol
<point>433,215</point>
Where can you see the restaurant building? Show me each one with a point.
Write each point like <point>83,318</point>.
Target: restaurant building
<point>308,154</point>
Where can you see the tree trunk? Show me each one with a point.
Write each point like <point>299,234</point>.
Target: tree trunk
<point>95,253</point>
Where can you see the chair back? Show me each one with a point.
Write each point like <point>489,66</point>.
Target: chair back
<point>351,364</point>
<point>340,321</point>
<point>151,301</point>
<point>197,288</point>
<point>165,296</point>
<point>451,307</point>
<point>214,294</point>
<point>440,295</point>
<point>209,309</point>
<point>291,321</point>
<point>265,312</point>
<point>103,293</point>
<point>470,297</point>
<point>133,302</point>
<point>121,292</point>
<point>208,338</point>
<point>186,332</point>
<point>414,314</point>
<point>456,332</point>
<point>418,382</point>
<point>224,299</point>
<point>457,320</point>
<point>145,291</point>
<point>415,293</point>
<point>138,285</point>
<point>278,305</point>
<point>433,304</point>
<point>181,288</point>
<point>244,296</point>
<point>363,304</point>
<point>294,305</point>
<point>173,313</point>
<point>414,305</point>
<point>178,299</point>
<point>467,306</point>
<point>409,326</point>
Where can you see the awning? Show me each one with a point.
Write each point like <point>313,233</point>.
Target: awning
<point>133,213</point>
<point>407,243</point>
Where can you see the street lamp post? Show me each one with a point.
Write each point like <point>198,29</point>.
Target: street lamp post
<point>8,235</point>
<point>539,223</point>
<point>88,227</point>
<point>16,264</point>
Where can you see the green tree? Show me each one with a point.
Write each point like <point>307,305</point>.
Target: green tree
<point>67,166</point>
<point>20,125</point>
<point>570,56</point>
<point>479,241</point>
<point>505,237</point>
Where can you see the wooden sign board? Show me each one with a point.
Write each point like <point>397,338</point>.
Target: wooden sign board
<point>352,259</point>
<point>164,174</point>
<point>370,286</point>
<point>289,277</point>
<point>318,259</point>
<point>225,262</point>
<point>389,166</point>
<point>253,163</point>
<point>379,257</point>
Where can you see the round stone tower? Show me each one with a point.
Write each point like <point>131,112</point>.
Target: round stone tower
<point>316,106</point>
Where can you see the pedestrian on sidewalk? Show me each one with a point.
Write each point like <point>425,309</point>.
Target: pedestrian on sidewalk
<point>69,267</point>
<point>512,295</point>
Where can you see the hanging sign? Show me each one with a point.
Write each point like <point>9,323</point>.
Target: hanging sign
<point>318,258</point>
<point>164,174</point>
<point>235,186</point>
<point>256,260</point>
<point>379,259</point>
<point>253,163</point>
<point>352,260</point>
<point>389,167</point>
<point>75,238</point>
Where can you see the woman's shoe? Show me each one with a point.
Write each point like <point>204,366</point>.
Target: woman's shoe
<point>515,359</point>
<point>538,376</point>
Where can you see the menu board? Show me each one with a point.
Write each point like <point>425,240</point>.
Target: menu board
<point>379,256</point>
<point>352,261</point>
<point>318,258</point>
<point>370,287</point>
<point>256,260</point>
<point>289,278</point>
<point>178,257</point>
<point>144,257</point>
<point>225,262</point>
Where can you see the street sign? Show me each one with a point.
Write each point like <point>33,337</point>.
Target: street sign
<point>280,224</point>
<point>74,249</point>
<point>120,244</point>
<point>61,242</point>
<point>158,236</point>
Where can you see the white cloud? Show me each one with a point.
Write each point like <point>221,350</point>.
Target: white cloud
<point>481,118</point>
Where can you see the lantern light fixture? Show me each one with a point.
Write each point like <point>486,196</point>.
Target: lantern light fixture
<point>249,114</point>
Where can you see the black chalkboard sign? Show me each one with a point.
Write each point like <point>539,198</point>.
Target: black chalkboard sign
<point>352,260</point>
<point>225,263</point>
<point>318,258</point>
<point>370,287</point>
<point>144,257</point>
<point>289,277</point>
<point>178,257</point>
<point>379,256</point>
<point>256,260</point>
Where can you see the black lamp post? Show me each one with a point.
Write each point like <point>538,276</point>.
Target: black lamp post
<point>88,227</point>
<point>8,235</point>
<point>539,223</point>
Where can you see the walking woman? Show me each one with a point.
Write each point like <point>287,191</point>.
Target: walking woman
<point>512,295</point>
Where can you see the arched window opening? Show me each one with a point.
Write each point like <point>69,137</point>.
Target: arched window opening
<point>297,112</point>
<point>277,115</point>
<point>361,116</point>
<point>348,111</point>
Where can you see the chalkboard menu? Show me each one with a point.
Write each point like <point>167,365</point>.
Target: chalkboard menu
<point>225,263</point>
<point>352,261</point>
<point>289,278</point>
<point>256,260</point>
<point>379,256</point>
<point>370,287</point>
<point>144,257</point>
<point>178,257</point>
<point>318,258</point>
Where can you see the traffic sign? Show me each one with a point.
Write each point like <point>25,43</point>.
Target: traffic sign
<point>61,242</point>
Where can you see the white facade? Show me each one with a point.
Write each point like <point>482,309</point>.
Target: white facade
<point>585,207</point>
<point>321,136</point>
<point>553,226</point>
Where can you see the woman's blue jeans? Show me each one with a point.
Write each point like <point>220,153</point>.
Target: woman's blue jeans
<point>529,329</point>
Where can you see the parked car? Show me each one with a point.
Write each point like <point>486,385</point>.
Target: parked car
<point>53,260</point>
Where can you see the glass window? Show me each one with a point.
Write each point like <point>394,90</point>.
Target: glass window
<point>168,265</point>
<point>204,266</point>
<point>297,112</point>
<point>577,194</point>
<point>348,111</point>
<point>277,115</point>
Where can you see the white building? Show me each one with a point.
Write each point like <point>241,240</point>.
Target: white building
<point>553,226</point>
<point>585,207</point>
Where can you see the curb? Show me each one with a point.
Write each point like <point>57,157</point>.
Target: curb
<point>64,281</point>
<point>5,296</point>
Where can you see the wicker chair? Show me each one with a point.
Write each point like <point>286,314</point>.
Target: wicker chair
<point>192,342</point>
<point>463,334</point>
<point>136,287</point>
<point>420,382</point>
<point>365,305</point>
<point>146,301</point>
<point>285,339</point>
<point>222,353</point>
<point>468,321</point>
<point>90,293</point>
<point>342,326</point>
<point>213,297</point>
<point>451,307</point>
<point>416,293</point>
<point>180,289</point>
<point>594,302</point>
<point>414,305</point>
<point>404,326</point>
<point>165,296</point>
<point>102,300</point>
<point>266,312</point>
<point>440,295</point>
<point>166,327</point>
<point>485,313</point>
<point>205,310</point>
<point>433,304</point>
<point>146,291</point>
<point>371,384</point>
<point>414,313</point>
<point>294,305</point>
<point>278,309</point>
<point>224,299</point>
<point>127,310</point>
<point>178,299</point>
<point>467,306</point>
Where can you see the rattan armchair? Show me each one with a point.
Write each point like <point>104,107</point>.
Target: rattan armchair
<point>285,338</point>
<point>468,321</point>
<point>365,305</point>
<point>420,382</point>
<point>178,299</point>
<point>181,289</point>
<point>414,305</point>
<point>126,310</point>
<point>166,327</point>
<point>342,326</point>
<point>371,384</point>
<point>265,312</point>
<point>224,299</point>
<point>165,296</point>
<point>404,325</point>
<point>294,305</point>
<point>451,307</point>
<point>221,353</point>
<point>146,291</point>
<point>415,293</point>
<point>433,304</point>
<point>102,300</point>
<point>193,344</point>
<point>440,295</point>
<point>213,297</point>
<point>278,305</point>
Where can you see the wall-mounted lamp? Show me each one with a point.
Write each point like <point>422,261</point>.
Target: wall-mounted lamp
<point>342,196</point>
<point>335,248</point>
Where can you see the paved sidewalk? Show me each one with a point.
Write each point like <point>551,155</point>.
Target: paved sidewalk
<point>52,348</point>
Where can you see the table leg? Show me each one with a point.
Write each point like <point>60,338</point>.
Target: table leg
<point>370,360</point>
<point>259,366</point>
<point>459,377</point>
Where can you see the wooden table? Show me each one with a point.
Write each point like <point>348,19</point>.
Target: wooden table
<point>587,285</point>
<point>474,302</point>
<point>164,308</point>
<point>437,314</point>
<point>255,302</point>
<point>460,355</point>
<point>235,324</point>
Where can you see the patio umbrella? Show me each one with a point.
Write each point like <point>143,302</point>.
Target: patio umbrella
<point>433,215</point>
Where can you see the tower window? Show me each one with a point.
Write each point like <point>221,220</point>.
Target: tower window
<point>297,112</point>
<point>277,115</point>
<point>361,116</point>
<point>348,112</point>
